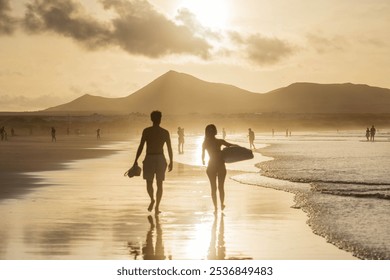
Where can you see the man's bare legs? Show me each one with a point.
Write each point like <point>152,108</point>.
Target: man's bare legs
<point>159,193</point>
<point>159,196</point>
<point>149,188</point>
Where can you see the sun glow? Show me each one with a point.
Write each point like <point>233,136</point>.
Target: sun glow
<point>213,14</point>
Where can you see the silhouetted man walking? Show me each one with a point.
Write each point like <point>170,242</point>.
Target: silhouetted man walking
<point>155,163</point>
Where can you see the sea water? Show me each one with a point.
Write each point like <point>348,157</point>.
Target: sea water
<point>341,180</point>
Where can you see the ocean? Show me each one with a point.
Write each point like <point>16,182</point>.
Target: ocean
<point>340,180</point>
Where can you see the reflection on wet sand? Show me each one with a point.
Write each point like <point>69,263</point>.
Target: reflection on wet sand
<point>217,249</point>
<point>150,250</point>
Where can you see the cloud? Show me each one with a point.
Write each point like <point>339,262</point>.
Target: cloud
<point>66,18</point>
<point>140,29</point>
<point>263,50</point>
<point>8,73</point>
<point>24,103</point>
<point>323,44</point>
<point>189,19</point>
<point>374,42</point>
<point>7,22</point>
<point>137,28</point>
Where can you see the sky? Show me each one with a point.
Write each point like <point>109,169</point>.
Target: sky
<point>53,51</point>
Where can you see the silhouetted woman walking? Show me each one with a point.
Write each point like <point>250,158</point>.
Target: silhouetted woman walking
<point>216,166</point>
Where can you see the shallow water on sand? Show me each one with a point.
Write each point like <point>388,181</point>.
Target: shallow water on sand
<point>89,210</point>
<point>349,197</point>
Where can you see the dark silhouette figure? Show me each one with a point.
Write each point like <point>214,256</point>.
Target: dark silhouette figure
<point>2,133</point>
<point>372,133</point>
<point>155,164</point>
<point>217,249</point>
<point>153,251</point>
<point>180,133</point>
<point>251,135</point>
<point>5,135</point>
<point>98,134</point>
<point>368,134</point>
<point>216,168</point>
<point>53,135</point>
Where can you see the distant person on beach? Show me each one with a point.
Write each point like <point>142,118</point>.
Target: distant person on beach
<point>180,133</point>
<point>2,133</point>
<point>372,133</point>
<point>53,135</point>
<point>98,134</point>
<point>251,135</point>
<point>273,132</point>
<point>216,168</point>
<point>155,163</point>
<point>223,133</point>
<point>5,135</point>
<point>368,134</point>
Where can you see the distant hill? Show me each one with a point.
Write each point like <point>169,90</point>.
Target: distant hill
<point>179,93</point>
<point>329,98</point>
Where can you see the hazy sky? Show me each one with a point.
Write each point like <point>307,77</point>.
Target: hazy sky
<point>53,51</point>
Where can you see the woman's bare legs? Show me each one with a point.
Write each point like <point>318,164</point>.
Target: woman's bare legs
<point>213,183</point>
<point>221,187</point>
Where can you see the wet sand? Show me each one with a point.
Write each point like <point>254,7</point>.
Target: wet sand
<point>22,155</point>
<point>87,209</point>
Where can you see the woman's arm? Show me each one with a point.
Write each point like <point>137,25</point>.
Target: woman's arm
<point>203,154</point>
<point>227,144</point>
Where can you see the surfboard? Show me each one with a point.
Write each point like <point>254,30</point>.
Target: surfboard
<point>236,153</point>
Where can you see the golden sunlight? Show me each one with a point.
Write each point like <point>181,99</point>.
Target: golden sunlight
<point>198,245</point>
<point>213,14</point>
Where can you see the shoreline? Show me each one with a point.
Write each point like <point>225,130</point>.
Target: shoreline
<point>22,156</point>
<point>344,219</point>
<point>258,214</point>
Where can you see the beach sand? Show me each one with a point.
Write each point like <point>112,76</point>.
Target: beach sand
<point>70,200</point>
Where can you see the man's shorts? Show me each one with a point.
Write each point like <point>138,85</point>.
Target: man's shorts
<point>154,164</point>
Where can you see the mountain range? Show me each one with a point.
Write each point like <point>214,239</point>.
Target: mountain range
<point>179,93</point>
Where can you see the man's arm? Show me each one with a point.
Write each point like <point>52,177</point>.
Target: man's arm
<point>170,154</point>
<point>140,148</point>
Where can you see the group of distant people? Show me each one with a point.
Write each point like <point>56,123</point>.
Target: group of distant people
<point>4,133</point>
<point>370,133</point>
<point>53,133</point>
<point>54,137</point>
